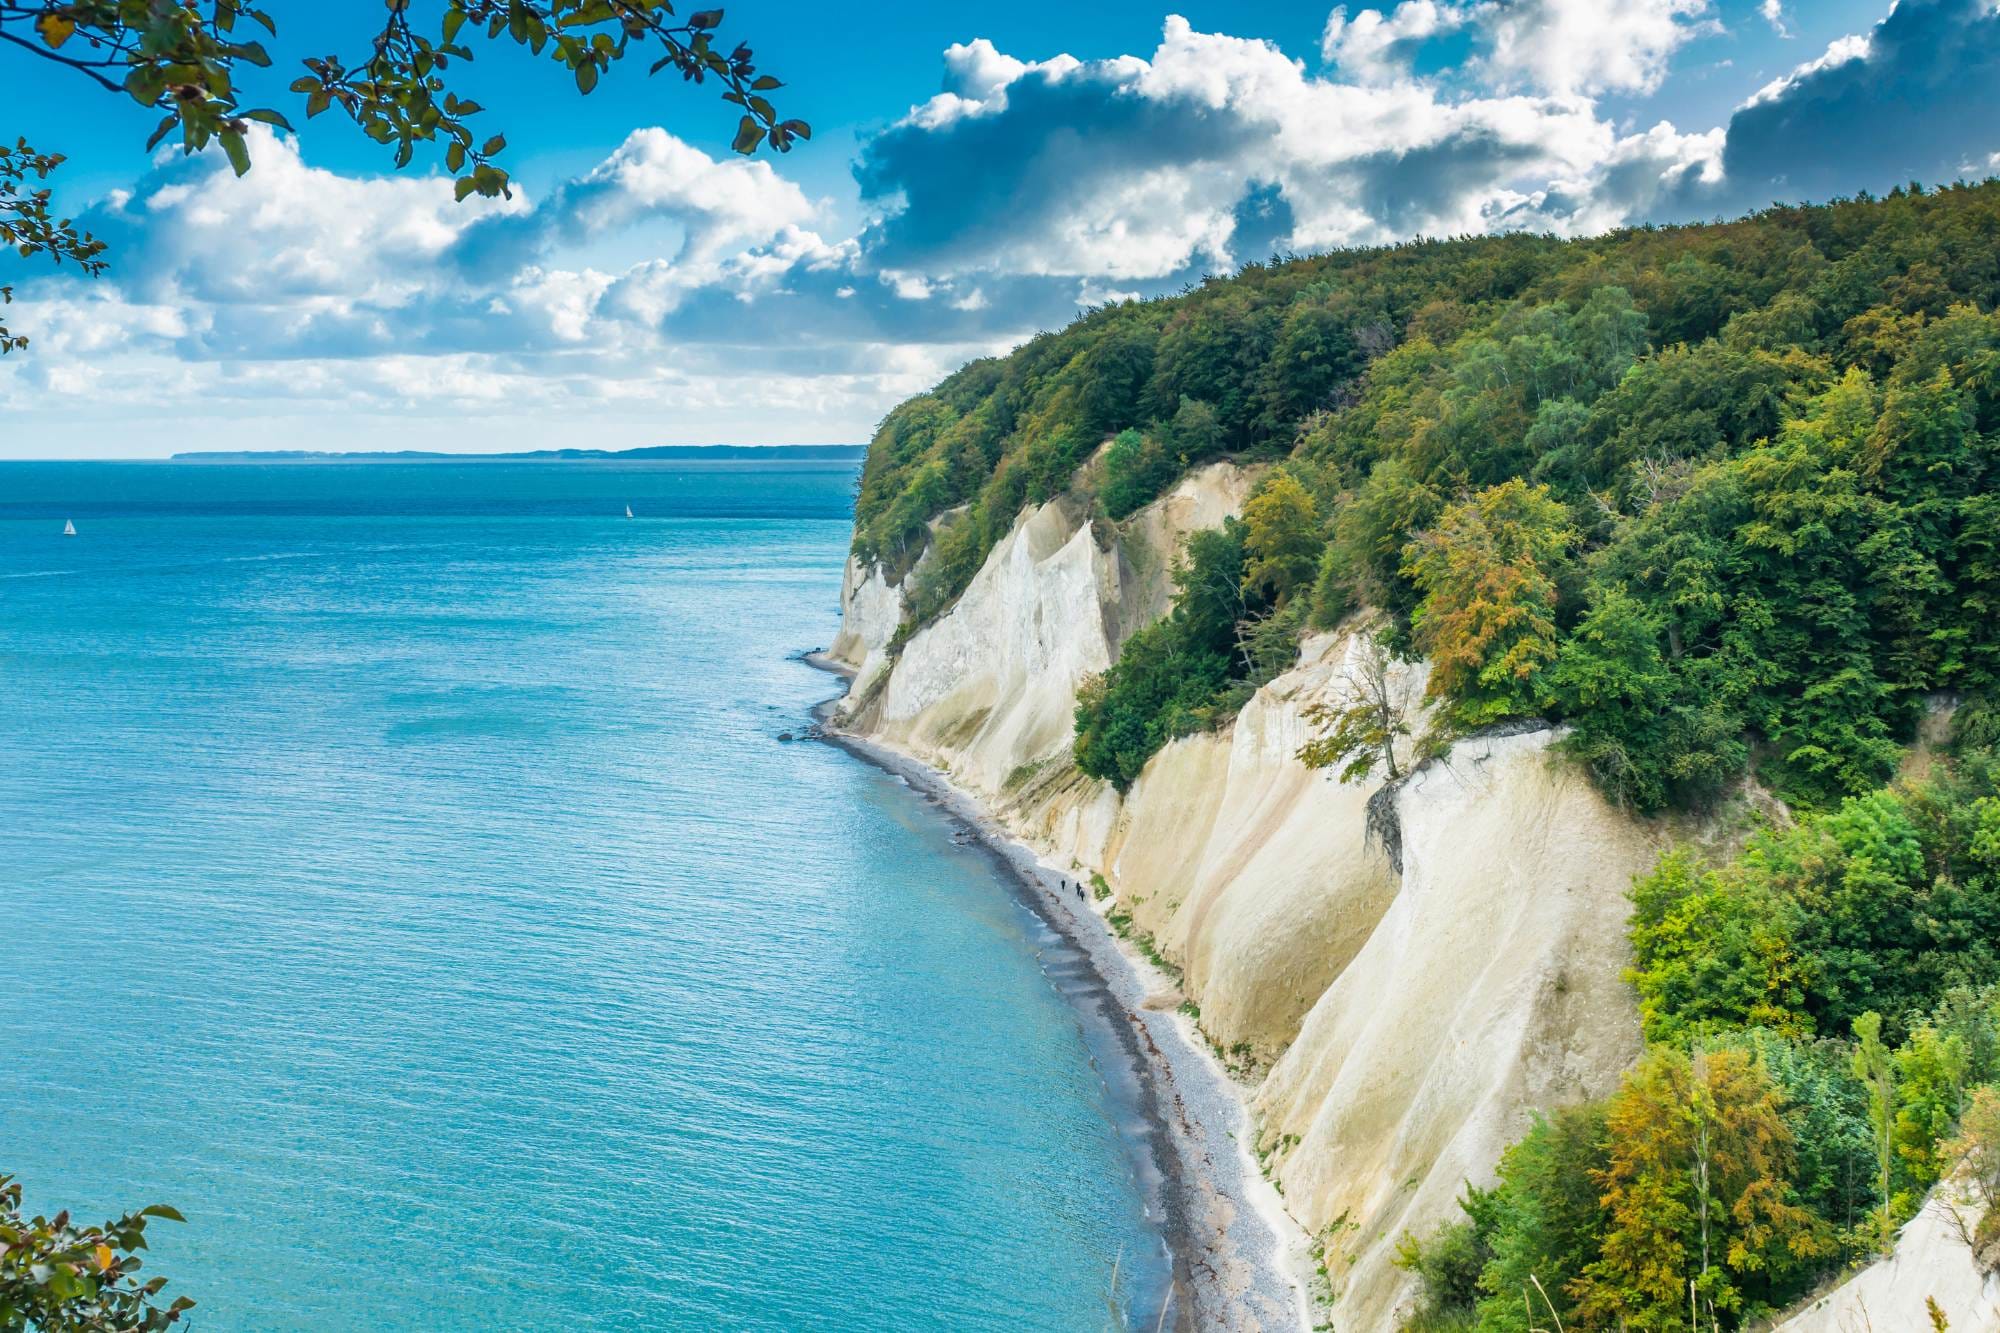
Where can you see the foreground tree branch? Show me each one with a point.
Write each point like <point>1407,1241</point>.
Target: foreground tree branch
<point>183,59</point>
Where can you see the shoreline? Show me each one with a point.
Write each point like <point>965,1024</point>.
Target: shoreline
<point>1238,1261</point>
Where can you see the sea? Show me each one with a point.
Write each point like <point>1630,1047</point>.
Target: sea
<point>405,875</point>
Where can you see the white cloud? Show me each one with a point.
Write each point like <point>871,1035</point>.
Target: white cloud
<point>1373,47</point>
<point>725,205</point>
<point>1138,169</point>
<point>287,232</point>
<point>1588,47</point>
<point>1774,14</point>
<point>1840,51</point>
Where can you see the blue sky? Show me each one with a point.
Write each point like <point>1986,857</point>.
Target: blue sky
<point>978,173</point>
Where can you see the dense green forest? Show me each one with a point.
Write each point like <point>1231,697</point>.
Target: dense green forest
<point>1714,495</point>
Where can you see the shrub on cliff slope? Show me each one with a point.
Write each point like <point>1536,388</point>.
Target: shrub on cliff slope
<point>1883,904</point>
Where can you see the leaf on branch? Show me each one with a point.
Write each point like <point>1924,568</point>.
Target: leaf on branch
<point>748,135</point>
<point>238,151</point>
<point>55,29</point>
<point>145,83</point>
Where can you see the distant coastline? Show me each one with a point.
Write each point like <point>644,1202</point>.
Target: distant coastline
<point>677,453</point>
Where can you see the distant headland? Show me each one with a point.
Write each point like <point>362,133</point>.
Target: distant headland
<point>679,453</point>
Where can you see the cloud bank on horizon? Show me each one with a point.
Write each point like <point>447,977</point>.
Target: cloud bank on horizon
<point>298,307</point>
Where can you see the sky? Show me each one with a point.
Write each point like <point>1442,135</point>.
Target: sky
<point>977,173</point>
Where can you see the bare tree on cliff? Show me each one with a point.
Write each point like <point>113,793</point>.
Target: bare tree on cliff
<point>1363,733</point>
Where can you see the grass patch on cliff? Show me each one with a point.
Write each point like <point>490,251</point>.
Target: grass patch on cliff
<point>1022,774</point>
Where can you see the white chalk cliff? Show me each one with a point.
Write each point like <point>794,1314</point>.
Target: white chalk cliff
<point>1932,1264</point>
<point>1408,1005</point>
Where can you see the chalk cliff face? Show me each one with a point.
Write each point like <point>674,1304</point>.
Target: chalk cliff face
<point>1490,985</point>
<point>870,611</point>
<point>991,686</point>
<point>1410,1005</point>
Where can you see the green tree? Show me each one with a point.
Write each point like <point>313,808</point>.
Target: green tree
<point>64,1278</point>
<point>1547,1215</point>
<point>1447,1264</point>
<point>1930,1095</point>
<point>1136,467</point>
<point>1611,677</point>
<point>1828,1112</point>
<point>1282,539</point>
<point>1487,572</point>
<point>1194,433</point>
<point>1362,733</point>
<point>1875,1068</point>
<point>1713,951</point>
<point>1169,677</point>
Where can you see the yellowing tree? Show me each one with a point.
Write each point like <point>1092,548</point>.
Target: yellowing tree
<point>1487,619</point>
<point>1283,540</point>
<point>1699,1195</point>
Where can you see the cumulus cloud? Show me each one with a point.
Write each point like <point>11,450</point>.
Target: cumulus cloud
<point>1378,47</point>
<point>1587,47</point>
<point>1134,169</point>
<point>1909,100</point>
<point>288,233</point>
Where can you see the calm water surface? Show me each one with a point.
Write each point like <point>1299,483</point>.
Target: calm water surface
<point>400,874</point>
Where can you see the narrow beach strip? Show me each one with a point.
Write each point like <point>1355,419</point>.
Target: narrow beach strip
<point>1238,1259</point>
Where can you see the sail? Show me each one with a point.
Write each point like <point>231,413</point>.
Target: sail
<point>69,528</point>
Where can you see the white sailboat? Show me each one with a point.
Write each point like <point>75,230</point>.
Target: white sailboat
<point>628,511</point>
<point>69,528</point>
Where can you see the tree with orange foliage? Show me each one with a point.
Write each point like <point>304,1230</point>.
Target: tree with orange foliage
<point>1698,1192</point>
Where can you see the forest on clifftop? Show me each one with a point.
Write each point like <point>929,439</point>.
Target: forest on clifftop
<point>1713,495</point>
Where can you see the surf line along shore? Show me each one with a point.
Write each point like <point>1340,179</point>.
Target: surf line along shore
<point>1238,1260</point>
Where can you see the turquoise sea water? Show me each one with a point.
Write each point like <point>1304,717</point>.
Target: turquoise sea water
<point>400,874</point>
